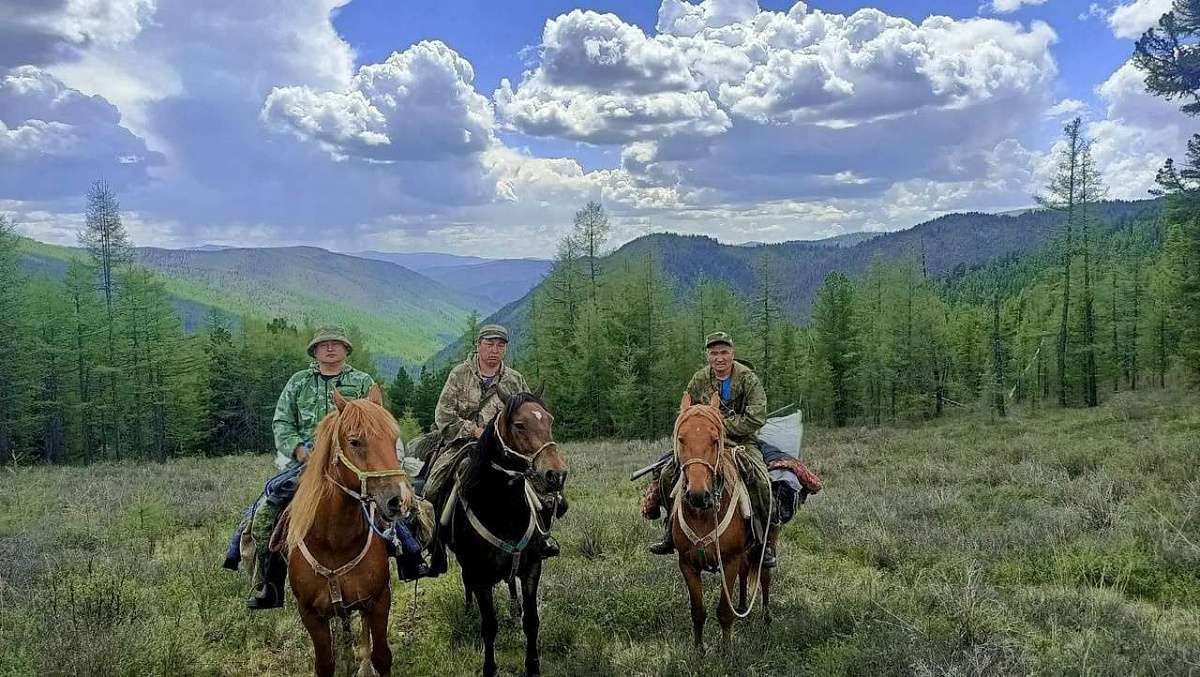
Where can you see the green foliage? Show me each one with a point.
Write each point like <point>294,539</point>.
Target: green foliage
<point>960,547</point>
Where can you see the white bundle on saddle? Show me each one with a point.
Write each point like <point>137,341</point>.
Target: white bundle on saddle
<point>785,433</point>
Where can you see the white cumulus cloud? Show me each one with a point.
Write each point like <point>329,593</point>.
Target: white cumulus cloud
<point>1131,19</point>
<point>419,104</point>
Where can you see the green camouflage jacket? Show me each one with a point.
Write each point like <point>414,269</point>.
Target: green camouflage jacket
<point>465,403</point>
<point>746,410</point>
<point>305,400</point>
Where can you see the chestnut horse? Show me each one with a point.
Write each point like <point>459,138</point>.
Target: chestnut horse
<point>508,494</point>
<point>709,526</point>
<point>338,562</point>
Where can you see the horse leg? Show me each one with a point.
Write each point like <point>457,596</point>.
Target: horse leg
<point>466,591</point>
<point>530,620</point>
<point>725,606</point>
<point>343,647</point>
<point>514,597</point>
<point>691,576</point>
<point>488,627</point>
<point>742,574</point>
<point>376,622</point>
<point>322,639</point>
<point>765,582</point>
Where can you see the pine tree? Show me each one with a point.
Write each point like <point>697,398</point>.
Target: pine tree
<point>1090,192</point>
<point>12,339</point>
<point>591,232</point>
<point>103,236</point>
<point>999,358</point>
<point>84,326</point>
<point>766,317</point>
<point>400,393</point>
<point>836,344</point>
<point>1062,195</point>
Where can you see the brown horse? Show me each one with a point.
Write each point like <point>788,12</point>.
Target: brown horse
<point>709,527</point>
<point>337,563</point>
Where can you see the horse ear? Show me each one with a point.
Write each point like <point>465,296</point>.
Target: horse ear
<point>541,389</point>
<point>375,395</point>
<point>715,401</point>
<point>338,400</point>
<point>685,402</point>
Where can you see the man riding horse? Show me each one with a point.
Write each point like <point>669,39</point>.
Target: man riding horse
<point>744,409</point>
<point>473,394</point>
<point>305,400</point>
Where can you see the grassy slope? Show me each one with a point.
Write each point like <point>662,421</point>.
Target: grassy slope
<point>1061,543</point>
<point>405,315</point>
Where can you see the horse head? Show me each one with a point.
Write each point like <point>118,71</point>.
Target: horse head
<point>699,442</point>
<point>363,454</point>
<point>524,430</point>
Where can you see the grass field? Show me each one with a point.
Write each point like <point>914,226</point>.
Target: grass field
<point>1066,542</point>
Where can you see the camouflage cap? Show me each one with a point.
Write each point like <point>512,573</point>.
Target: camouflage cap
<point>330,332</point>
<point>489,331</point>
<point>717,337</point>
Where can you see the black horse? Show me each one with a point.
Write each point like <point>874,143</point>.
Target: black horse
<point>509,493</point>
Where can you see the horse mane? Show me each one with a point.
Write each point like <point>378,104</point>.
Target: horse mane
<point>360,416</point>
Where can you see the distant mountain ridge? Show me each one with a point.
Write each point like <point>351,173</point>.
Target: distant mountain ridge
<point>406,316</point>
<point>940,246</point>
<point>495,282</point>
<point>420,261</point>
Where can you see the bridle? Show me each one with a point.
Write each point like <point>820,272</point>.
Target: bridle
<point>339,456</point>
<point>713,416</point>
<point>529,462</point>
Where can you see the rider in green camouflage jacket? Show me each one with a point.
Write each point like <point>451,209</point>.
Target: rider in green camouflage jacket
<point>744,408</point>
<point>305,401</point>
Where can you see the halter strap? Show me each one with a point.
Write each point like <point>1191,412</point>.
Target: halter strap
<point>513,453</point>
<point>362,475</point>
<point>714,417</point>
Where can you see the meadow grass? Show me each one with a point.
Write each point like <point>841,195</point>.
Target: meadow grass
<point>1056,542</point>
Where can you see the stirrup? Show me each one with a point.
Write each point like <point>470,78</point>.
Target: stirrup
<point>662,547</point>
<point>410,567</point>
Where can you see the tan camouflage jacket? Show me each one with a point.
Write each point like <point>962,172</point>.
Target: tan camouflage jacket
<point>745,411</point>
<point>459,407</point>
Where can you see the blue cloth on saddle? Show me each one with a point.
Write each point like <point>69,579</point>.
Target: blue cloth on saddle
<point>785,486</point>
<point>281,488</point>
<point>404,536</point>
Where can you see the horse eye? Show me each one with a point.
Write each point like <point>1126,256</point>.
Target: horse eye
<point>519,425</point>
<point>354,442</point>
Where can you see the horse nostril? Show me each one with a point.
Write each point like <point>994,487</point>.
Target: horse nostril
<point>393,505</point>
<point>556,479</point>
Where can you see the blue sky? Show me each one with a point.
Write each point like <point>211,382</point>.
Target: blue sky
<point>480,127</point>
